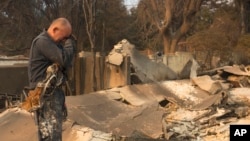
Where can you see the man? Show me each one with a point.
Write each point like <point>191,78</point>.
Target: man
<point>53,46</point>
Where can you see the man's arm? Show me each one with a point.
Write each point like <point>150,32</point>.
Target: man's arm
<point>63,56</point>
<point>68,52</point>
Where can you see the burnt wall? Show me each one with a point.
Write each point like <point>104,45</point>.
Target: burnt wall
<point>13,79</point>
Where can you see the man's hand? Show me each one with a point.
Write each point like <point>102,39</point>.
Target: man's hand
<point>73,37</point>
<point>70,40</point>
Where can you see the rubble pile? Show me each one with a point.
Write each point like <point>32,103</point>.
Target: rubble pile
<point>228,103</point>
<point>201,108</point>
<point>144,68</point>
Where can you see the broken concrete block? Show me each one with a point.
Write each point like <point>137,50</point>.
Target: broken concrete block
<point>154,71</point>
<point>215,99</point>
<point>115,58</point>
<point>194,68</point>
<point>206,83</point>
<point>87,134</point>
<point>242,111</point>
<point>190,69</point>
<point>236,70</point>
<point>239,96</point>
<point>178,61</point>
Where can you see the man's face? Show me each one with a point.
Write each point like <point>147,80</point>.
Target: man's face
<point>61,34</point>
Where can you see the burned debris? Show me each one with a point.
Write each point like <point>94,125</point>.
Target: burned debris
<point>200,105</point>
<point>180,104</point>
<point>227,103</point>
<point>144,68</point>
<point>13,73</point>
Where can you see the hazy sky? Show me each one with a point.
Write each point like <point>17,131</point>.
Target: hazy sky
<point>131,3</point>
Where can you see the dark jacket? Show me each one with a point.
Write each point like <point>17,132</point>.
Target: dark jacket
<point>44,52</point>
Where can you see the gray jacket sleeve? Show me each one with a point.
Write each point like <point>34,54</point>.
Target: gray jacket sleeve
<point>68,52</point>
<point>62,55</point>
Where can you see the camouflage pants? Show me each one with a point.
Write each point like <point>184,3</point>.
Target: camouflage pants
<point>50,116</point>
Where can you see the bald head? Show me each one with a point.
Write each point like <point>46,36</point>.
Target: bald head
<point>60,29</point>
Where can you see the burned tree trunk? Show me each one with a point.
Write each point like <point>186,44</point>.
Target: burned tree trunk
<point>171,18</point>
<point>172,34</point>
<point>89,9</point>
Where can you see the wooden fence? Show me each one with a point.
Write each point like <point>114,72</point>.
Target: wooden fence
<point>107,76</point>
